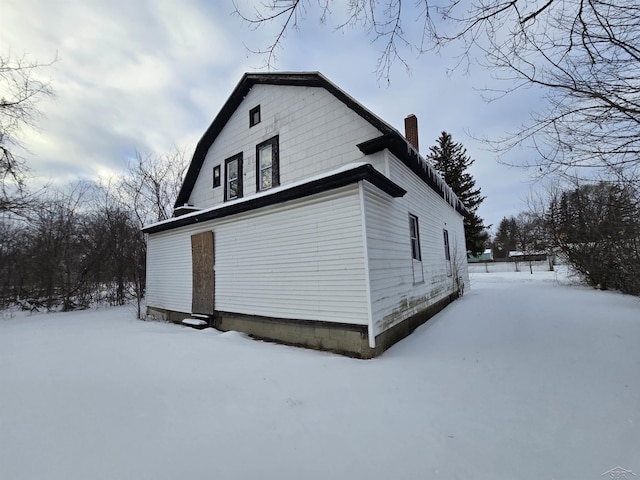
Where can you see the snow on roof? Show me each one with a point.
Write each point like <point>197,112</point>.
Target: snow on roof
<point>518,253</point>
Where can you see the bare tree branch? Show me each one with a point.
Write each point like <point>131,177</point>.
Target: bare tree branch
<point>581,57</point>
<point>20,90</point>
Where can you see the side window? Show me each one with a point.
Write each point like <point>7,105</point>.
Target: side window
<point>447,251</point>
<point>254,116</point>
<point>414,234</point>
<point>233,177</point>
<point>216,176</point>
<point>267,164</point>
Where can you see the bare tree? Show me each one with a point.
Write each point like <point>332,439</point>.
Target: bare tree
<point>584,55</point>
<point>119,244</point>
<point>383,21</point>
<point>532,238</point>
<point>20,90</point>
<point>13,257</point>
<point>82,245</point>
<point>148,191</point>
<point>54,267</point>
<point>596,227</point>
<point>152,183</point>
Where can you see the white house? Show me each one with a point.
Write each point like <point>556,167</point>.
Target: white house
<point>306,219</point>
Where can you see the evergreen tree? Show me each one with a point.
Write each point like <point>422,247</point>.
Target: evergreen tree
<point>506,237</point>
<point>450,159</point>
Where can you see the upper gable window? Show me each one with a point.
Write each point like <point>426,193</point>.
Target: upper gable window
<point>233,177</point>
<point>267,164</point>
<point>254,116</point>
<point>216,176</point>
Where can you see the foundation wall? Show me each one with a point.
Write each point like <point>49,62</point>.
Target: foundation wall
<point>345,339</point>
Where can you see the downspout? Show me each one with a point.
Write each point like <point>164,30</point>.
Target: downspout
<point>363,222</point>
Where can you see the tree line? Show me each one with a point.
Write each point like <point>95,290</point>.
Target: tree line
<point>72,247</point>
<point>81,245</point>
<point>593,227</point>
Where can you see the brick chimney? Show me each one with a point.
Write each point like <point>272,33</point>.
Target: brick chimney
<point>411,130</point>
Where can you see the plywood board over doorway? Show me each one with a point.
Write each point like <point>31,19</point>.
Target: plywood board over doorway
<point>202,261</point>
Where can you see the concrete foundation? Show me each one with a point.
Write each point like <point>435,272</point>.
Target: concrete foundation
<point>345,339</point>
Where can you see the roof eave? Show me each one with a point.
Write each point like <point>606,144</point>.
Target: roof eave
<point>403,150</point>
<point>364,172</point>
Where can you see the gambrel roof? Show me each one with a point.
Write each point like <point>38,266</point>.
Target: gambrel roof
<point>390,138</point>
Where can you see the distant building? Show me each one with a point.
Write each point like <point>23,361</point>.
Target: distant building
<point>486,256</point>
<point>518,256</point>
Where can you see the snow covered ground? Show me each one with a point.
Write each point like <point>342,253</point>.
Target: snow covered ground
<point>522,378</point>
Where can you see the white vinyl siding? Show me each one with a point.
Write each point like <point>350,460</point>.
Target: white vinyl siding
<point>169,269</point>
<point>396,296</point>
<point>300,260</point>
<point>317,133</point>
<point>447,251</point>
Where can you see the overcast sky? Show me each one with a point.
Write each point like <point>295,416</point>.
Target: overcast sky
<point>150,75</point>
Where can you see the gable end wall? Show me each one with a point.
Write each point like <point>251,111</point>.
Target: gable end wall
<point>317,133</point>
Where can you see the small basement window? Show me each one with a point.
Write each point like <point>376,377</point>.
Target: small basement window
<point>254,116</point>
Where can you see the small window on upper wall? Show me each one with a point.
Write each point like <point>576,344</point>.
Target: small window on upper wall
<point>254,116</point>
<point>267,164</point>
<point>216,176</point>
